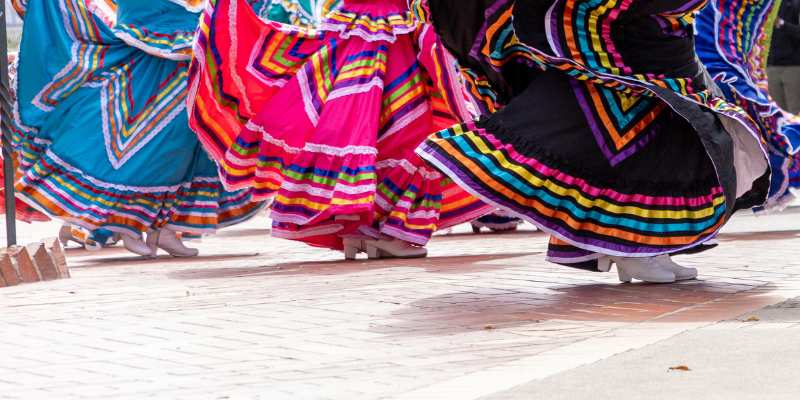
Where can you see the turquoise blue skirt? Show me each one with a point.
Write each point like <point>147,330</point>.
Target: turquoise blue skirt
<point>101,97</point>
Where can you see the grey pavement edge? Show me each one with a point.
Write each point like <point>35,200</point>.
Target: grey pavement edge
<point>729,360</point>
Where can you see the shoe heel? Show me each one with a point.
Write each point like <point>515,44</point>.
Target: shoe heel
<point>373,253</point>
<point>351,248</point>
<point>604,264</point>
<point>351,252</point>
<point>624,276</point>
<point>152,242</point>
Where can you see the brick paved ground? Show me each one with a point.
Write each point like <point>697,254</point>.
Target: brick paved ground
<point>256,317</point>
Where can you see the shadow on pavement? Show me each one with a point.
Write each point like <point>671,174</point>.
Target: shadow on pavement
<point>127,259</point>
<point>482,308</point>
<point>759,236</point>
<point>452,265</point>
<point>262,234</point>
<point>521,233</point>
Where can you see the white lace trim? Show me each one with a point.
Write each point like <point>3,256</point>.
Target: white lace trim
<point>408,167</point>
<point>346,33</point>
<point>311,147</point>
<point>128,188</point>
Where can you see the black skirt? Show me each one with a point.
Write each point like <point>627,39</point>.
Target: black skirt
<point>598,127</point>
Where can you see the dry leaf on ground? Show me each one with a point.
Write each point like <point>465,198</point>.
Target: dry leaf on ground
<point>680,368</point>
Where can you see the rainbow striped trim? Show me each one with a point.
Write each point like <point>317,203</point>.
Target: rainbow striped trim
<point>321,190</point>
<point>733,40</point>
<point>201,206</point>
<point>87,55</point>
<point>173,44</point>
<point>305,13</point>
<point>368,27</point>
<point>102,62</point>
<point>618,103</point>
<point>125,134</point>
<point>571,208</point>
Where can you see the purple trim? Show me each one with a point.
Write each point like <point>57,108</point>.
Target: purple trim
<point>554,35</point>
<point>591,245</point>
<point>612,158</point>
<point>475,51</point>
<point>687,6</point>
<point>579,253</point>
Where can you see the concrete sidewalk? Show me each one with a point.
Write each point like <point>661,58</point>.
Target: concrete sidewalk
<point>482,317</point>
<point>756,357</point>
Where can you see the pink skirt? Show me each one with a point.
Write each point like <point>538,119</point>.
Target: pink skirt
<point>325,121</point>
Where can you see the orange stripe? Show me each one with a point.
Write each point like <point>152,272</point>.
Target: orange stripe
<point>621,141</point>
<point>547,212</point>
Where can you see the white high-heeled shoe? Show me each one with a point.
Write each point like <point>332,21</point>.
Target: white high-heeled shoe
<point>167,240</point>
<point>646,269</point>
<point>393,248</point>
<point>681,273</point>
<point>352,247</point>
<point>137,246</point>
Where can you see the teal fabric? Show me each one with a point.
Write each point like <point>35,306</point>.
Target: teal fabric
<point>297,12</point>
<point>108,133</point>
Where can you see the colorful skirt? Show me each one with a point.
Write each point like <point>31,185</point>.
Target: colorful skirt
<point>733,40</point>
<point>601,139</point>
<point>102,99</point>
<point>498,221</point>
<point>325,121</point>
<point>295,12</point>
<point>23,211</point>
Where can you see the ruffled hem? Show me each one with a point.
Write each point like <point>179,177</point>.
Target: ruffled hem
<point>267,163</point>
<point>408,203</point>
<point>19,137</point>
<point>62,191</point>
<point>24,212</point>
<point>498,221</point>
<point>325,182</point>
<point>320,191</point>
<point>174,45</point>
<point>582,213</point>
<point>733,42</point>
<point>372,28</point>
<point>292,12</point>
<point>408,200</point>
<point>560,252</point>
<point>498,49</point>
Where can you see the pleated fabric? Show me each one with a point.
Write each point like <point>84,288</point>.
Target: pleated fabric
<point>325,121</point>
<point>102,92</point>
<point>599,124</point>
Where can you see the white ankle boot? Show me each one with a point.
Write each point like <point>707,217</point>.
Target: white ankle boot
<point>136,245</point>
<point>646,269</point>
<point>393,248</point>
<point>681,273</point>
<point>167,240</point>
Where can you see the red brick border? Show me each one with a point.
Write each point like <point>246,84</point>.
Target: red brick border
<point>36,262</point>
